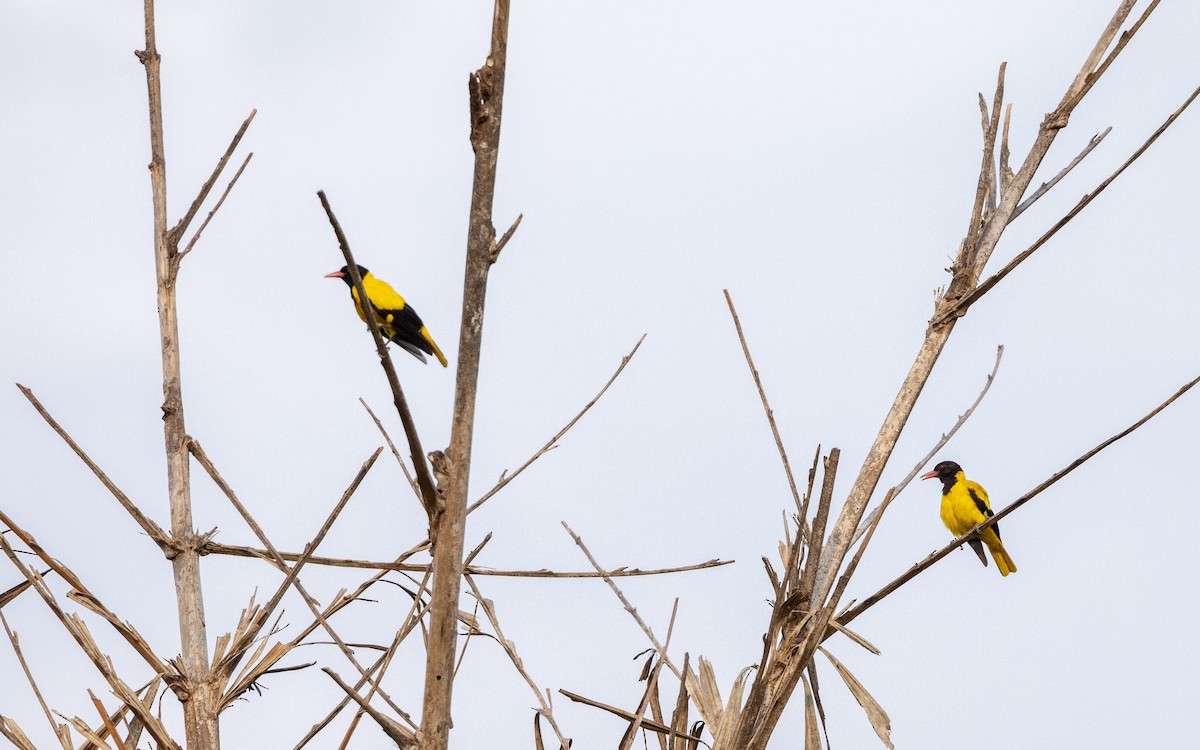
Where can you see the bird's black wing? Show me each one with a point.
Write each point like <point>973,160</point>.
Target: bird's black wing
<point>404,326</point>
<point>986,511</point>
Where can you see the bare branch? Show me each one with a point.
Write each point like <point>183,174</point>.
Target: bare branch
<point>429,496</point>
<point>1045,186</point>
<point>504,238</point>
<point>553,442</point>
<point>192,242</point>
<point>632,610</point>
<point>82,595</point>
<point>412,482</point>
<point>510,649</point>
<point>380,665</point>
<point>178,230</point>
<point>630,716</point>
<point>153,530</point>
<point>291,574</point>
<point>292,578</point>
<point>960,307</point>
<point>83,638</point>
<point>987,174</point>
<point>1083,83</point>
<point>65,741</point>
<point>216,548</point>
<point>401,735</point>
<point>762,394</point>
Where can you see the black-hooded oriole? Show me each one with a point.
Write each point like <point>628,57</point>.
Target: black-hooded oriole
<point>397,320</point>
<point>964,506</point>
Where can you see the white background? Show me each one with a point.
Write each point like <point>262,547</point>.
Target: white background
<point>817,159</point>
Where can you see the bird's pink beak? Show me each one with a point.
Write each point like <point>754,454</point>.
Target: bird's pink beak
<point>335,275</point>
<point>931,475</point>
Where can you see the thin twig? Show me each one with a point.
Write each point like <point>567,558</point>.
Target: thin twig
<point>16,645</point>
<point>412,482</point>
<point>220,201</point>
<point>152,529</point>
<point>217,548</point>
<point>504,238</point>
<point>401,735</point>
<point>1045,186</point>
<point>380,665</point>
<point>510,649</point>
<point>182,226</point>
<point>762,394</point>
<point>553,442</point>
<point>291,577</point>
<point>632,610</point>
<point>651,687</point>
<point>629,716</point>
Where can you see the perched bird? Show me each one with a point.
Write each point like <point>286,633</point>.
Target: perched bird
<point>964,506</point>
<point>397,320</point>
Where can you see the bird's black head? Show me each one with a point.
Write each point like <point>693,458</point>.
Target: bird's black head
<point>946,471</point>
<point>343,273</point>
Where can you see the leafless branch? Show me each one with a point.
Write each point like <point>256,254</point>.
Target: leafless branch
<point>201,726</point>
<point>1045,186</point>
<point>632,610</point>
<point>504,238</point>
<point>178,230</point>
<point>553,442</point>
<point>429,495</point>
<point>960,307</point>
<point>82,595</point>
<point>629,716</point>
<point>292,578</point>
<point>220,201</point>
<point>412,482</point>
<point>153,530</point>
<point>59,731</point>
<point>401,735</point>
<point>762,394</point>
<point>510,649</point>
<point>217,548</point>
<point>83,638</point>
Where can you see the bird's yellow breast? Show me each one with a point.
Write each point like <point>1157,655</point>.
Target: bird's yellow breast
<point>960,510</point>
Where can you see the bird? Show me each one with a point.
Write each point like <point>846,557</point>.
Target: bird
<point>964,506</point>
<point>398,321</point>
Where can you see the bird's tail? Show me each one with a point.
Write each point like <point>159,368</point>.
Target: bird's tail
<point>436,351</point>
<point>1000,555</point>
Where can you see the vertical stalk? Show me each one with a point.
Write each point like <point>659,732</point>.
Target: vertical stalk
<point>487,94</point>
<point>200,717</point>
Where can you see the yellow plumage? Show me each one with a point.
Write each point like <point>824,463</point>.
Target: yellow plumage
<point>398,321</point>
<point>964,506</point>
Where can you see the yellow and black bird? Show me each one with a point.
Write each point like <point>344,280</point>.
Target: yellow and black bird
<point>397,320</point>
<point>964,506</point>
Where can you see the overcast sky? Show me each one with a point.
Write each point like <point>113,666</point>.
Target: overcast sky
<point>816,159</point>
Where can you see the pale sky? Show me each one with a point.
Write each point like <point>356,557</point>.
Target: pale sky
<point>816,159</point>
